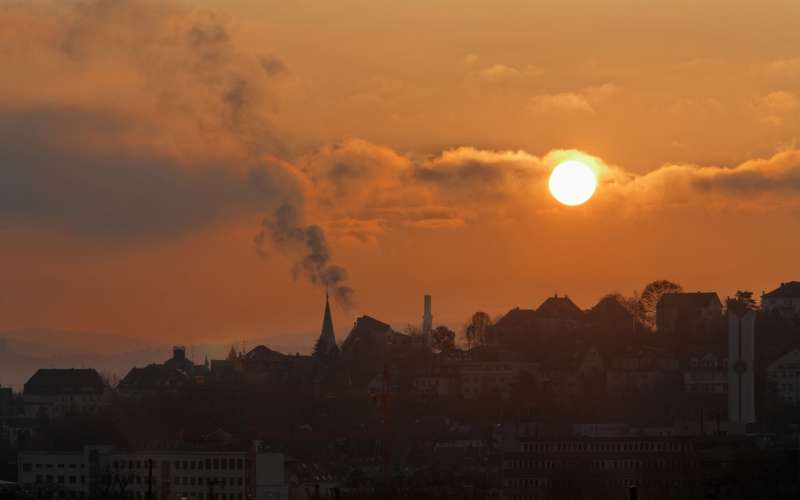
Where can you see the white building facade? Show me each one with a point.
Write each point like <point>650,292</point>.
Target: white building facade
<point>163,475</point>
<point>783,375</point>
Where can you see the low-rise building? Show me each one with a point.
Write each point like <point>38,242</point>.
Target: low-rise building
<point>479,379</point>
<point>783,377</point>
<point>783,301</point>
<point>688,314</point>
<point>102,472</point>
<point>174,374</point>
<point>58,392</point>
<point>599,467</point>
<point>642,372</point>
<point>438,386</point>
<point>706,373</point>
<point>7,407</point>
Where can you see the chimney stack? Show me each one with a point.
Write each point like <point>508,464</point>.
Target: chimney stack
<point>427,320</point>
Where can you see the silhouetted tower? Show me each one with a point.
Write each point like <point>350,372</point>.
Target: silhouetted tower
<point>326,348</point>
<point>741,364</point>
<point>427,320</point>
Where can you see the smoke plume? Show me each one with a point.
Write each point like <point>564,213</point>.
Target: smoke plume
<point>285,230</point>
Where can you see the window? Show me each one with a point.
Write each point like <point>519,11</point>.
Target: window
<point>26,467</point>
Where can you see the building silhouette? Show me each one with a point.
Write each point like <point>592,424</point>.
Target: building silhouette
<point>326,348</point>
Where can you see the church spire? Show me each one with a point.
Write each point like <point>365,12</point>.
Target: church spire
<point>326,347</point>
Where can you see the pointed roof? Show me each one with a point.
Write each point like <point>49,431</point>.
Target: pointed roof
<point>326,344</point>
<point>232,356</point>
<point>610,310</point>
<point>556,307</point>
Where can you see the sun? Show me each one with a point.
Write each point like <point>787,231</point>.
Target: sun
<point>572,182</point>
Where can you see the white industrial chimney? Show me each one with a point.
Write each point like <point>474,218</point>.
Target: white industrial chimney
<point>427,320</point>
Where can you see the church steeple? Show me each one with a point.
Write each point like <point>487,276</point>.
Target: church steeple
<point>326,347</point>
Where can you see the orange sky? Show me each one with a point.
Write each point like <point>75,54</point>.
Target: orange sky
<point>143,142</point>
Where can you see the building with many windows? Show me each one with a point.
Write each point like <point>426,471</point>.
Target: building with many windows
<point>707,373</point>
<point>498,378</point>
<point>165,475</point>
<point>583,467</point>
<point>783,376</point>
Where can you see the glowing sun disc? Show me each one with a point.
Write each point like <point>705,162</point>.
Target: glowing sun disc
<point>572,183</point>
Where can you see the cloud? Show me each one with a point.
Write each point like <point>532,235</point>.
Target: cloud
<point>499,73</point>
<point>273,66</point>
<point>583,101</point>
<point>774,107</point>
<point>120,194</point>
<point>152,129</point>
<point>365,191</point>
<point>758,184</point>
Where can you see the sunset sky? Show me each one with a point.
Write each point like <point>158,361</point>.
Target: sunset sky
<point>164,164</point>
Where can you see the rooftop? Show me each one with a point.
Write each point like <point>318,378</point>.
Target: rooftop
<point>556,307</point>
<point>788,290</point>
<point>64,381</point>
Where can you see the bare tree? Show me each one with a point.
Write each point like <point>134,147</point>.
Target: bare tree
<point>476,329</point>
<point>741,302</point>
<point>648,300</point>
<point>412,330</point>
<point>443,338</point>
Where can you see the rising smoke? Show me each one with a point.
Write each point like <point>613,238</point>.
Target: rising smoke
<point>286,232</point>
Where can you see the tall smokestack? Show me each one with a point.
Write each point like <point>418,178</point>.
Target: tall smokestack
<point>427,320</point>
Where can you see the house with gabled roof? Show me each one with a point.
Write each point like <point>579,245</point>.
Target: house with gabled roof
<point>557,314</point>
<point>783,301</point>
<point>690,313</point>
<point>58,392</point>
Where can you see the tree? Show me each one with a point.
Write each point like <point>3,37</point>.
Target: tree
<point>741,302</point>
<point>475,331</point>
<point>648,300</point>
<point>443,339</point>
<point>412,330</point>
